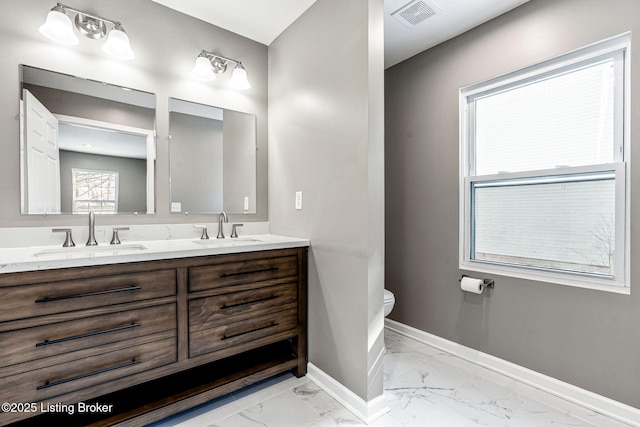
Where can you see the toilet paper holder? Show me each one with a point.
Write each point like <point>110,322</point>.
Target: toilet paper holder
<point>487,283</point>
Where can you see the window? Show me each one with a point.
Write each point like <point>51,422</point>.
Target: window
<point>544,170</point>
<point>95,191</point>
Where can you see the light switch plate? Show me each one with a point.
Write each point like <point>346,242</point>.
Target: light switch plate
<point>298,200</point>
<point>246,203</point>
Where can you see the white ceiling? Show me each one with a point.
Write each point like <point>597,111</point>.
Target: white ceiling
<point>259,20</point>
<point>103,141</point>
<point>452,18</point>
<point>264,20</point>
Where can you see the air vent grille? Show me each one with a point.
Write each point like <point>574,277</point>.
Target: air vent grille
<point>415,12</point>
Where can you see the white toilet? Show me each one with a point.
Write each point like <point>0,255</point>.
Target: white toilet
<point>389,301</point>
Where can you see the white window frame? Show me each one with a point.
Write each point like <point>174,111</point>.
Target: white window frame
<point>618,47</point>
<point>116,175</point>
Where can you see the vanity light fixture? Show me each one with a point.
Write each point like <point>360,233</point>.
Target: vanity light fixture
<point>209,64</point>
<point>58,28</point>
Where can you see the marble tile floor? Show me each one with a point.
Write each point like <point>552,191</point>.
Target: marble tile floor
<point>423,386</point>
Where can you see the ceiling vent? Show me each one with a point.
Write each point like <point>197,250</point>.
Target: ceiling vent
<point>415,12</point>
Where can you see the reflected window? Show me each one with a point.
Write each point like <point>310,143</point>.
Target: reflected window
<point>95,190</point>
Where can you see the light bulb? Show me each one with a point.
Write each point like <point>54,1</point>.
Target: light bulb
<point>58,27</point>
<point>117,44</point>
<point>239,79</point>
<point>202,69</point>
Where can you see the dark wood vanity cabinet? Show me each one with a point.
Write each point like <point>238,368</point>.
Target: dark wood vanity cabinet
<point>242,304</point>
<point>148,339</point>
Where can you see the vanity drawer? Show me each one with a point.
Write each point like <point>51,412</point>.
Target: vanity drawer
<point>69,295</point>
<point>53,339</point>
<point>237,306</point>
<point>207,337</point>
<point>40,384</point>
<point>241,272</point>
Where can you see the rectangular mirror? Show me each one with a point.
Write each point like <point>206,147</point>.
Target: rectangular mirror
<point>85,146</point>
<point>212,159</point>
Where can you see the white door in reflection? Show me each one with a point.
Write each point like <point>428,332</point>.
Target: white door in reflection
<point>42,158</point>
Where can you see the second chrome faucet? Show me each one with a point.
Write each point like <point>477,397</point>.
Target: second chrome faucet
<point>221,217</point>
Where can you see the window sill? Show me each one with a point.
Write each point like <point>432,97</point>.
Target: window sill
<point>557,278</point>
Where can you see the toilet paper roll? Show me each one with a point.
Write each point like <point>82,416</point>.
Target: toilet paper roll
<point>469,284</point>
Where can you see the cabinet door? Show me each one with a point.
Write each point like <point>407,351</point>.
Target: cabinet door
<point>55,380</point>
<point>67,338</point>
<point>69,295</point>
<point>238,306</point>
<point>247,334</point>
<point>233,275</point>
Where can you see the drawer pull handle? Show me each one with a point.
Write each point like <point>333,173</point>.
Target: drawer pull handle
<point>241,273</point>
<point>90,374</point>
<point>87,335</point>
<point>270,325</point>
<point>89,294</point>
<point>225,306</point>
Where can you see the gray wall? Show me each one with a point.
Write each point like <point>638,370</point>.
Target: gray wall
<point>89,107</point>
<point>196,145</point>
<point>132,178</point>
<point>326,139</point>
<point>584,337</point>
<point>239,160</point>
<point>166,44</point>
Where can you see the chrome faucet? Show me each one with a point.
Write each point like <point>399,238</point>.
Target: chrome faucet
<point>68,242</point>
<point>115,239</point>
<point>205,235</point>
<point>221,217</point>
<point>234,230</point>
<point>92,230</point>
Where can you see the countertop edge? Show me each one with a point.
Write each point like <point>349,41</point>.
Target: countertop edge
<point>155,253</point>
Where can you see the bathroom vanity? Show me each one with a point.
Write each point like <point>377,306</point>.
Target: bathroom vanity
<point>145,336</point>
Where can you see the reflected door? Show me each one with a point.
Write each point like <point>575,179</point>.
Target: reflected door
<point>42,157</point>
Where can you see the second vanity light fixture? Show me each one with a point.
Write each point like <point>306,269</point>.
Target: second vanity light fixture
<point>58,27</point>
<point>209,64</point>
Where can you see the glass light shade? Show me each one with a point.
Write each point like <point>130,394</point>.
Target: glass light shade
<point>117,44</point>
<point>202,69</point>
<point>239,79</point>
<point>58,28</point>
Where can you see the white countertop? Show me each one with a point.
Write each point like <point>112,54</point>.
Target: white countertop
<point>51,257</point>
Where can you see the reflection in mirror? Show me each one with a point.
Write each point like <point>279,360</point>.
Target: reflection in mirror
<point>85,146</point>
<point>212,159</point>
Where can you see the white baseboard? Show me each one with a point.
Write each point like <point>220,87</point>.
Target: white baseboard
<point>577,395</point>
<point>366,411</point>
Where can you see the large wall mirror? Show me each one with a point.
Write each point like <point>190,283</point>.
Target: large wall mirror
<point>85,146</point>
<point>212,159</point>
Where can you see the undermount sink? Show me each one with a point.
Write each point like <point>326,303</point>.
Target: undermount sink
<point>88,251</point>
<point>226,242</point>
